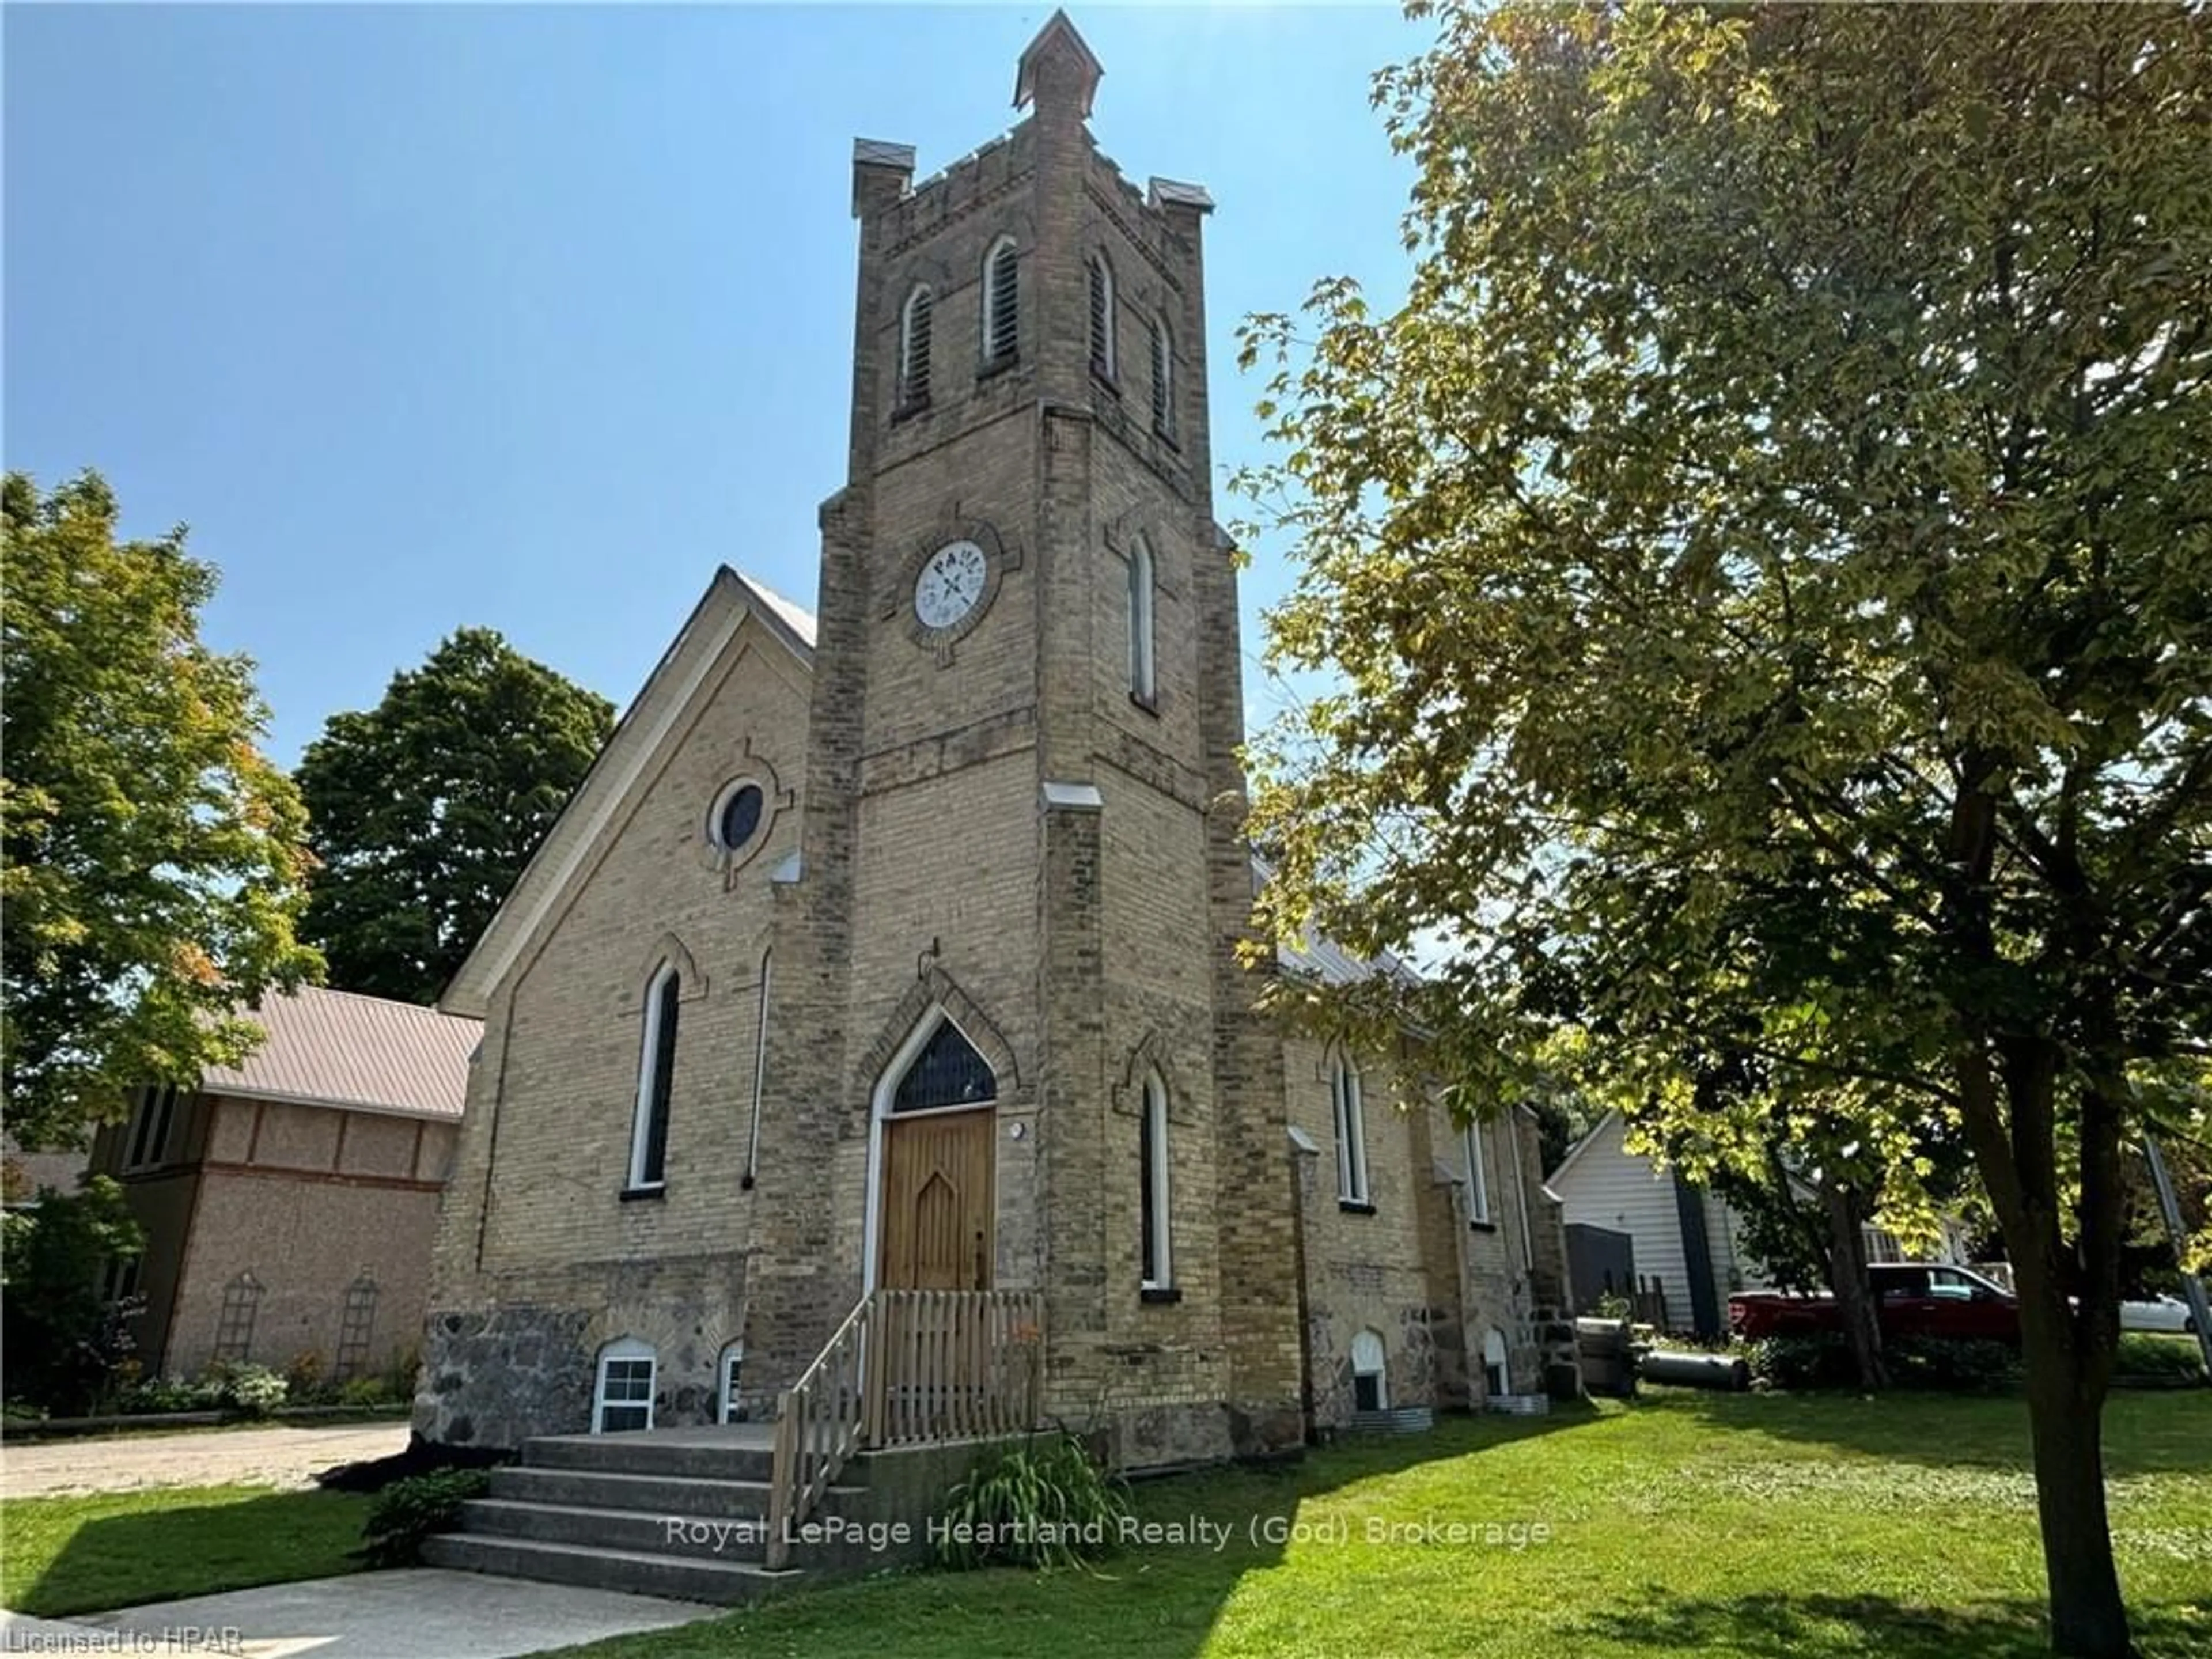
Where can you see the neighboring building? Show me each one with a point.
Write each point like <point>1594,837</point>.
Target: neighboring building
<point>1687,1240</point>
<point>901,948</point>
<point>289,1201</point>
<point>25,1175</point>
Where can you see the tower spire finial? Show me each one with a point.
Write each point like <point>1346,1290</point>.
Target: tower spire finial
<point>1058,70</point>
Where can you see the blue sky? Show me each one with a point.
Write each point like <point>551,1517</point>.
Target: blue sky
<point>429,316</point>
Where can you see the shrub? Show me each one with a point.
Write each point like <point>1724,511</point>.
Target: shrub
<point>401,1374</point>
<point>169,1393</point>
<point>305,1384</point>
<point>1819,1361</point>
<point>367,1391</point>
<point>2146,1353</point>
<point>420,1506</point>
<point>1959,1365</point>
<point>1044,1502</point>
<point>252,1390</point>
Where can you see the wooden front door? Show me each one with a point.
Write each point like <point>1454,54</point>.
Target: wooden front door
<point>937,1199</point>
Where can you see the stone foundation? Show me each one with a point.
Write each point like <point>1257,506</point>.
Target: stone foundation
<point>496,1378</point>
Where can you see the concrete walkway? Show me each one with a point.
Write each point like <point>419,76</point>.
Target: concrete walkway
<point>417,1614</point>
<point>208,1457</point>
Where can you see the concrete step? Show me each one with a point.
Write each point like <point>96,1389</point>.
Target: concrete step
<point>658,1494</point>
<point>723,1583</point>
<point>827,1540</point>
<point>723,1538</point>
<point>699,1456</point>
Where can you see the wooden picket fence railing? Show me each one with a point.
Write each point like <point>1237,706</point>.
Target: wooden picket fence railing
<point>906,1368</point>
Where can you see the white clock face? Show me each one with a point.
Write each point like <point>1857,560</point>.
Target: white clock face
<point>950,585</point>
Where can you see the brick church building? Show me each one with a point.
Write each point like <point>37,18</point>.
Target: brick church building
<point>896,945</point>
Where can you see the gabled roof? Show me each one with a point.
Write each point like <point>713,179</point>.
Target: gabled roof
<point>730,599</point>
<point>1319,956</point>
<point>1576,1150</point>
<point>367,1054</point>
<point>1798,1184</point>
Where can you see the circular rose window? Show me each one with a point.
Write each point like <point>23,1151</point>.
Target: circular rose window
<point>737,819</point>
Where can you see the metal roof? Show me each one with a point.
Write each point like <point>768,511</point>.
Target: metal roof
<point>793,615</point>
<point>339,1048</point>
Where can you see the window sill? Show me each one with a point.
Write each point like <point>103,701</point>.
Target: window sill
<point>1482,1226</point>
<point>990,368</point>
<point>1355,1205</point>
<point>1160,1296</point>
<point>1104,376</point>
<point>633,1195</point>
<point>1150,705</point>
<point>1166,435</point>
<point>906,411</point>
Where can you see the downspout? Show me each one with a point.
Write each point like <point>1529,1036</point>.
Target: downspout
<point>1521,1192</point>
<point>760,1076</point>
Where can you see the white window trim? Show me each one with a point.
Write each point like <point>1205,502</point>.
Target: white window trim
<point>1478,1176</point>
<point>1156,1123</point>
<point>734,1353</point>
<point>907,380</point>
<point>628,1348</point>
<point>988,310</point>
<point>1348,1109</point>
<point>1143,584</point>
<point>648,1079</point>
<point>1493,1340</point>
<point>1380,1372</point>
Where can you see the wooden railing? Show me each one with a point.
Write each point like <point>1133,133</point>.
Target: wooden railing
<point>906,1368</point>
<point>817,1427</point>
<point>957,1365</point>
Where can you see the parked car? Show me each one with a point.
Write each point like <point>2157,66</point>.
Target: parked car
<point>2159,1313</point>
<point>1911,1298</point>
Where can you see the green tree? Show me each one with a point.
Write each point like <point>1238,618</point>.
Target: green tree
<point>64,1334</point>
<point>153,867</point>
<point>1767,567</point>
<point>424,809</point>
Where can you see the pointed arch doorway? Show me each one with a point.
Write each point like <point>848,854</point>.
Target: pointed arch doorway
<point>931,1214</point>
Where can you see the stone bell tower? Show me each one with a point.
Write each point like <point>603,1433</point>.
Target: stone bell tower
<point>1023,878</point>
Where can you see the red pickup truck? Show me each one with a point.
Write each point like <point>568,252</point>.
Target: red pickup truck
<point>1912,1299</point>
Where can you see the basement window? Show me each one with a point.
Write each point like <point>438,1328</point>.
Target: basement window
<point>1370,1390</point>
<point>730,1375</point>
<point>624,1400</point>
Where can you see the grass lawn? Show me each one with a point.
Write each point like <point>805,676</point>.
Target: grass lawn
<point>1758,1526</point>
<point>89,1552</point>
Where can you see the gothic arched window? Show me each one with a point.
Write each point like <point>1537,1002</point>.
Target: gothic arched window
<point>914,350</point>
<point>656,1076</point>
<point>1001,297</point>
<point>1144,678</point>
<point>948,1071</point>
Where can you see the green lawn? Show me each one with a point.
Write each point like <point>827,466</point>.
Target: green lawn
<point>1811,1526</point>
<point>88,1553</point>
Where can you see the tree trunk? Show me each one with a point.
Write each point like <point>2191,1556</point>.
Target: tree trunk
<point>2065,1416</point>
<point>2068,1347</point>
<point>1854,1288</point>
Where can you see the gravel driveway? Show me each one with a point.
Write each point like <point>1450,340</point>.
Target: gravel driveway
<point>261,1457</point>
